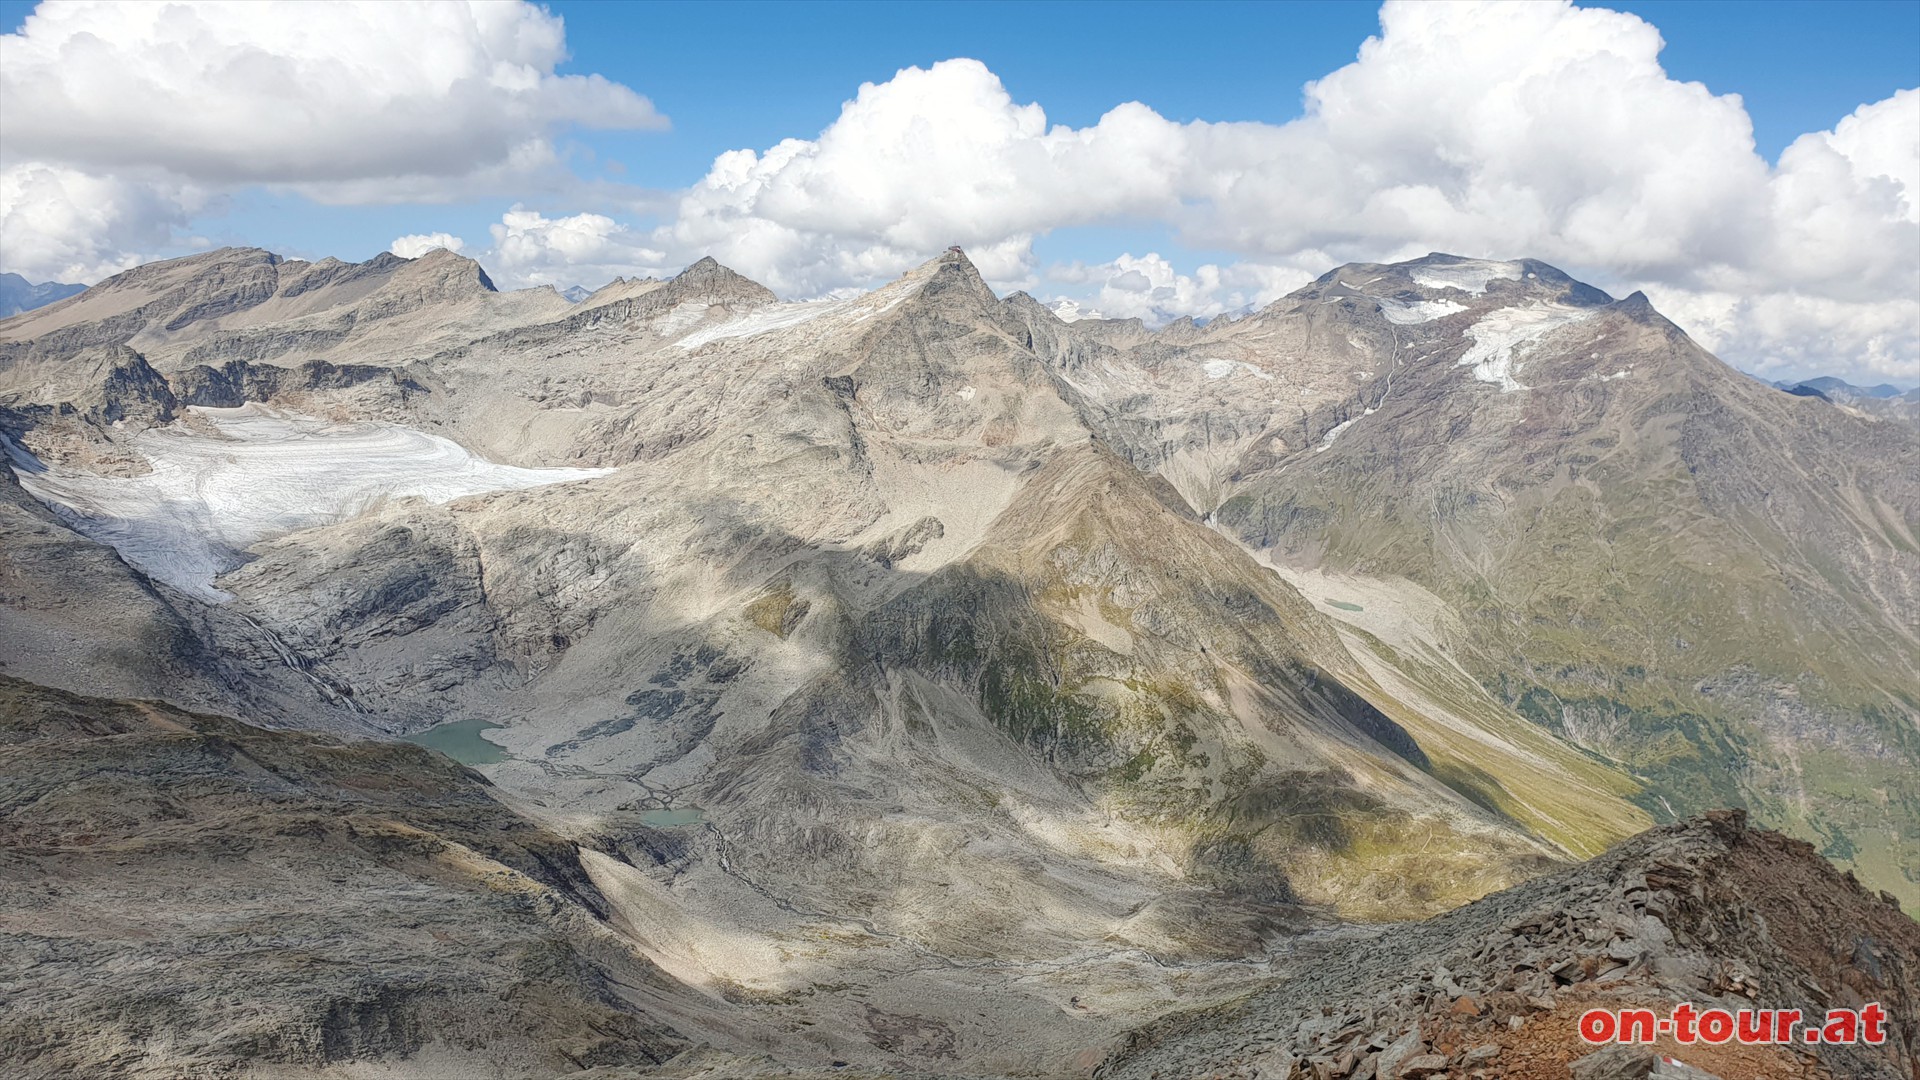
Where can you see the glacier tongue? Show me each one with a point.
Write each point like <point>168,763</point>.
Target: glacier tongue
<point>263,473</point>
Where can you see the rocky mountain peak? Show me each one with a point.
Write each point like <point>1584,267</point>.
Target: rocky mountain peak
<point>1023,308</point>
<point>1636,304</point>
<point>1024,301</point>
<point>188,267</point>
<point>1439,275</point>
<point>951,279</point>
<point>450,270</point>
<point>713,283</point>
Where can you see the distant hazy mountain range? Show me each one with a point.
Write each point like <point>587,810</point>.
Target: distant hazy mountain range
<point>1885,401</point>
<point>17,294</point>
<point>922,684</point>
<point>1832,387</point>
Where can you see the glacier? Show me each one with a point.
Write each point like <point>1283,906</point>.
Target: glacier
<point>252,473</point>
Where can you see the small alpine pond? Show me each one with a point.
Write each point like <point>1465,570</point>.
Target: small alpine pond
<point>462,741</point>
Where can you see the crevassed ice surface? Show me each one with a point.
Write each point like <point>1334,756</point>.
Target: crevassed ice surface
<point>264,473</point>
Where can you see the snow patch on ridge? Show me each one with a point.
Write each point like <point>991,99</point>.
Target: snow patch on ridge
<point>786,316</point>
<point>679,317</point>
<point>1502,337</point>
<point>1422,311</point>
<point>262,474</point>
<point>1468,277</point>
<point>761,320</point>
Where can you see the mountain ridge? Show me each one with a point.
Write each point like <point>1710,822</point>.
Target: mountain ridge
<point>921,647</point>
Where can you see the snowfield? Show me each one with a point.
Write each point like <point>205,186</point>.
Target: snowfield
<point>264,473</point>
<point>771,317</point>
<point>1220,369</point>
<point>1468,277</point>
<point>1502,337</point>
<point>1423,311</point>
<point>785,316</point>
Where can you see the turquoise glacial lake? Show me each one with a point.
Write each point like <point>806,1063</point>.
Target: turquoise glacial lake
<point>461,741</point>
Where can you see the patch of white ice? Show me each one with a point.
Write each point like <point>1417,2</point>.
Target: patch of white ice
<point>761,320</point>
<point>1501,338</point>
<point>1468,277</point>
<point>209,497</point>
<point>785,316</point>
<point>1421,311</point>
<point>1220,369</point>
<point>1334,433</point>
<point>679,317</point>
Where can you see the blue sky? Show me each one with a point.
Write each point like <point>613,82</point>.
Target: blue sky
<point>748,75</point>
<point>779,69</point>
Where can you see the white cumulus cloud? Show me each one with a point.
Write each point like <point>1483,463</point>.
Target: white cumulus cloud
<point>343,101</point>
<point>61,224</point>
<point>294,92</point>
<point>582,249</point>
<point>1484,129</point>
<point>1149,288</point>
<point>417,244</point>
<point>928,159</point>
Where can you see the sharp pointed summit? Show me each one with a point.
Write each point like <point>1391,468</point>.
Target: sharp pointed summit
<point>707,279</point>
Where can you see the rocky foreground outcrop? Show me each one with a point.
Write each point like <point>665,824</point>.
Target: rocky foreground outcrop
<point>185,895</point>
<point>1708,911</point>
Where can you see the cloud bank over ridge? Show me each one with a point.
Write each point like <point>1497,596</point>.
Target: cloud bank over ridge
<point>1499,130</point>
<point>1495,130</point>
